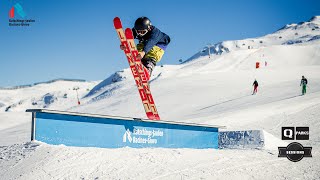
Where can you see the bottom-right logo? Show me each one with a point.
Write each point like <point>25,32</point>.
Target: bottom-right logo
<point>295,151</point>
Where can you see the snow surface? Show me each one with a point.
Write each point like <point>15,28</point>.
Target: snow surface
<point>215,90</point>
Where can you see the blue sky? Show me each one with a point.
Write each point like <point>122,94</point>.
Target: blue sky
<point>76,38</point>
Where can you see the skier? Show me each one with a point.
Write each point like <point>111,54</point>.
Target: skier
<point>152,43</point>
<point>255,87</point>
<point>304,83</point>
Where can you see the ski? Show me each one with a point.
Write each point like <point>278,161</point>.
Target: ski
<point>141,85</point>
<point>141,71</point>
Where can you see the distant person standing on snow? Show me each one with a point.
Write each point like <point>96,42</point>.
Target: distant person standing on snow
<point>255,87</point>
<point>304,83</point>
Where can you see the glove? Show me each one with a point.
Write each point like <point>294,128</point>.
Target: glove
<point>122,47</point>
<point>141,54</point>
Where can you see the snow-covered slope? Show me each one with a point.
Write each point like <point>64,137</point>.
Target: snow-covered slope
<point>214,90</point>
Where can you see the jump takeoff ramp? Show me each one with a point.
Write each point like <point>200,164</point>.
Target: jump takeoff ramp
<point>91,130</point>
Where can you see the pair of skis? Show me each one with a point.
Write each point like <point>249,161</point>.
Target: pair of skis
<point>137,69</point>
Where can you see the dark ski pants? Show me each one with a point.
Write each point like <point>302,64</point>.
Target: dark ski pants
<point>149,63</point>
<point>255,89</point>
<point>304,89</point>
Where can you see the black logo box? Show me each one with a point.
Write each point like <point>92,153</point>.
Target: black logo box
<point>302,133</point>
<point>298,133</point>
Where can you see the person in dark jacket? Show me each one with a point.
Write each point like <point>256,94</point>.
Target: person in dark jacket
<point>304,83</point>
<point>255,87</point>
<point>152,43</point>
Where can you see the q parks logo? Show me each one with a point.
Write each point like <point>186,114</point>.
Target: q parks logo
<point>295,151</point>
<point>18,9</point>
<point>300,133</point>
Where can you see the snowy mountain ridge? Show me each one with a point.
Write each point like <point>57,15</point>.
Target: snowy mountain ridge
<point>290,34</point>
<point>45,82</point>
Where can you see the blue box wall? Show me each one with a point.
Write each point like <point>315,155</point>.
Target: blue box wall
<point>113,132</point>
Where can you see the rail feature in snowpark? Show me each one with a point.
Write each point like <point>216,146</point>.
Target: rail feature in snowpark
<point>92,130</point>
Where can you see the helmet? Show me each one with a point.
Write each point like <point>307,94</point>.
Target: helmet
<point>142,23</point>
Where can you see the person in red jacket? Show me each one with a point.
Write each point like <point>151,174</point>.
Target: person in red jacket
<point>255,87</point>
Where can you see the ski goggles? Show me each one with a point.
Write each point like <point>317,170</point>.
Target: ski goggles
<point>142,32</point>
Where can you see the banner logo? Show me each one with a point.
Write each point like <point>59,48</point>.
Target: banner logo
<point>18,17</point>
<point>295,151</point>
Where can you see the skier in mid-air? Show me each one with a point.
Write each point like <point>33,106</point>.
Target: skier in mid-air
<point>304,83</point>
<point>255,87</point>
<point>152,43</point>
